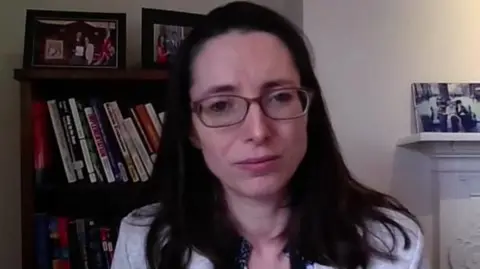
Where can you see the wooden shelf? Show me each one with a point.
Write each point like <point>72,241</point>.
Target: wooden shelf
<point>91,74</point>
<point>115,199</point>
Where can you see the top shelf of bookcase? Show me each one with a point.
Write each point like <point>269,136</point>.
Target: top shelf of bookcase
<point>91,74</point>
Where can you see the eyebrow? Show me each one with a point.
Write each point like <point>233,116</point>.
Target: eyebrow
<point>278,83</point>
<point>227,88</point>
<point>220,89</point>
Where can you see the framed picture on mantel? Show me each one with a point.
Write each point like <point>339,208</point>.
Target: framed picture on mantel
<point>447,107</point>
<point>69,39</point>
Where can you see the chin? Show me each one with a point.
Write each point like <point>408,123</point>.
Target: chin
<point>261,187</point>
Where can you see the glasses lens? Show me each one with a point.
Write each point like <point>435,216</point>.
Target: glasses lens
<point>222,110</point>
<point>286,103</point>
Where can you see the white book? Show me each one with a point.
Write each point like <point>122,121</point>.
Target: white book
<point>161,117</point>
<point>61,141</point>
<point>137,141</point>
<point>153,116</point>
<point>142,173</point>
<point>81,137</point>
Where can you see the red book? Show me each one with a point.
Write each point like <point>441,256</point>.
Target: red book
<point>41,149</point>
<point>148,127</point>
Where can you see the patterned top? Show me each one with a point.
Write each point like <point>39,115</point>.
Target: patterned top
<point>245,251</point>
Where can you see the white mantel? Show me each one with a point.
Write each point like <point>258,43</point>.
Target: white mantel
<point>455,179</point>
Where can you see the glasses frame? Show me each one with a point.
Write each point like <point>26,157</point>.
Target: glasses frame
<point>196,105</point>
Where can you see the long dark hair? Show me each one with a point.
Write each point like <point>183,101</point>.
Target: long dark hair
<point>328,205</point>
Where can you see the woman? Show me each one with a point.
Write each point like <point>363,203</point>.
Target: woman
<point>107,50</point>
<point>249,172</point>
<point>162,53</point>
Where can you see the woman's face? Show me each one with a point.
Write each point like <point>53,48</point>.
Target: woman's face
<point>256,157</point>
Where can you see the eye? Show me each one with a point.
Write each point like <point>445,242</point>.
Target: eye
<point>282,96</point>
<point>219,106</point>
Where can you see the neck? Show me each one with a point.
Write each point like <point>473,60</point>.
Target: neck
<point>259,221</point>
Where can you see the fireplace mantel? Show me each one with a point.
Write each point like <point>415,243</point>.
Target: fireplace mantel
<point>455,180</point>
<point>443,143</point>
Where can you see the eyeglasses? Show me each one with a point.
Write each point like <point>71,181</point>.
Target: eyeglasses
<point>228,109</point>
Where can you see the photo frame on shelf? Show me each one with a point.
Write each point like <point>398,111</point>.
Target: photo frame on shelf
<point>71,39</point>
<point>162,33</point>
<point>446,107</point>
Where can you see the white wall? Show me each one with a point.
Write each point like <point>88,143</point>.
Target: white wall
<point>367,54</point>
<point>12,17</point>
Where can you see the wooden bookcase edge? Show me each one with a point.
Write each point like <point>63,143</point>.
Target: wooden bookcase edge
<point>22,75</point>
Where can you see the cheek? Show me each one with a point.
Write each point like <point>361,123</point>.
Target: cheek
<point>294,142</point>
<point>216,149</point>
<point>295,132</point>
<point>212,142</point>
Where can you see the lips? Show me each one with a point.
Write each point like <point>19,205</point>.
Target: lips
<point>259,166</point>
<point>258,160</point>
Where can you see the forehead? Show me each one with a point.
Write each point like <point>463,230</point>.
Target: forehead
<point>242,60</point>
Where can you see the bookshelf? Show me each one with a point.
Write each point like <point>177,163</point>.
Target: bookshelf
<point>44,186</point>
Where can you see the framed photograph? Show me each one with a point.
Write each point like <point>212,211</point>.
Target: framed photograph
<point>447,107</point>
<point>68,39</point>
<point>162,34</point>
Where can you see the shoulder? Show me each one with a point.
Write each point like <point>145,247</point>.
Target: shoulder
<point>136,224</point>
<point>383,238</point>
<point>142,216</point>
<point>130,248</point>
<point>132,233</point>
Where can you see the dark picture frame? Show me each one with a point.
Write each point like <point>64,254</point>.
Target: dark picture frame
<point>71,39</point>
<point>162,33</point>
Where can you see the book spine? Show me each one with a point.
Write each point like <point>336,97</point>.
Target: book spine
<point>110,245</point>
<point>119,171</point>
<point>95,246</point>
<point>97,138</point>
<point>132,131</point>
<point>42,245</point>
<point>161,117</point>
<point>64,244</point>
<point>41,148</point>
<point>115,124</point>
<point>97,167</point>
<point>152,114</point>
<point>143,136</point>
<point>148,127</point>
<point>74,247</point>
<point>82,241</point>
<point>68,139</point>
<point>60,259</point>
<point>82,140</point>
<point>104,243</point>
<point>61,141</point>
<point>142,173</point>
<point>76,151</point>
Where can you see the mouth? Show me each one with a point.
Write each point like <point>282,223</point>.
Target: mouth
<point>258,160</point>
<point>260,165</point>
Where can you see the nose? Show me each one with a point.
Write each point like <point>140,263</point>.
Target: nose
<point>256,125</point>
